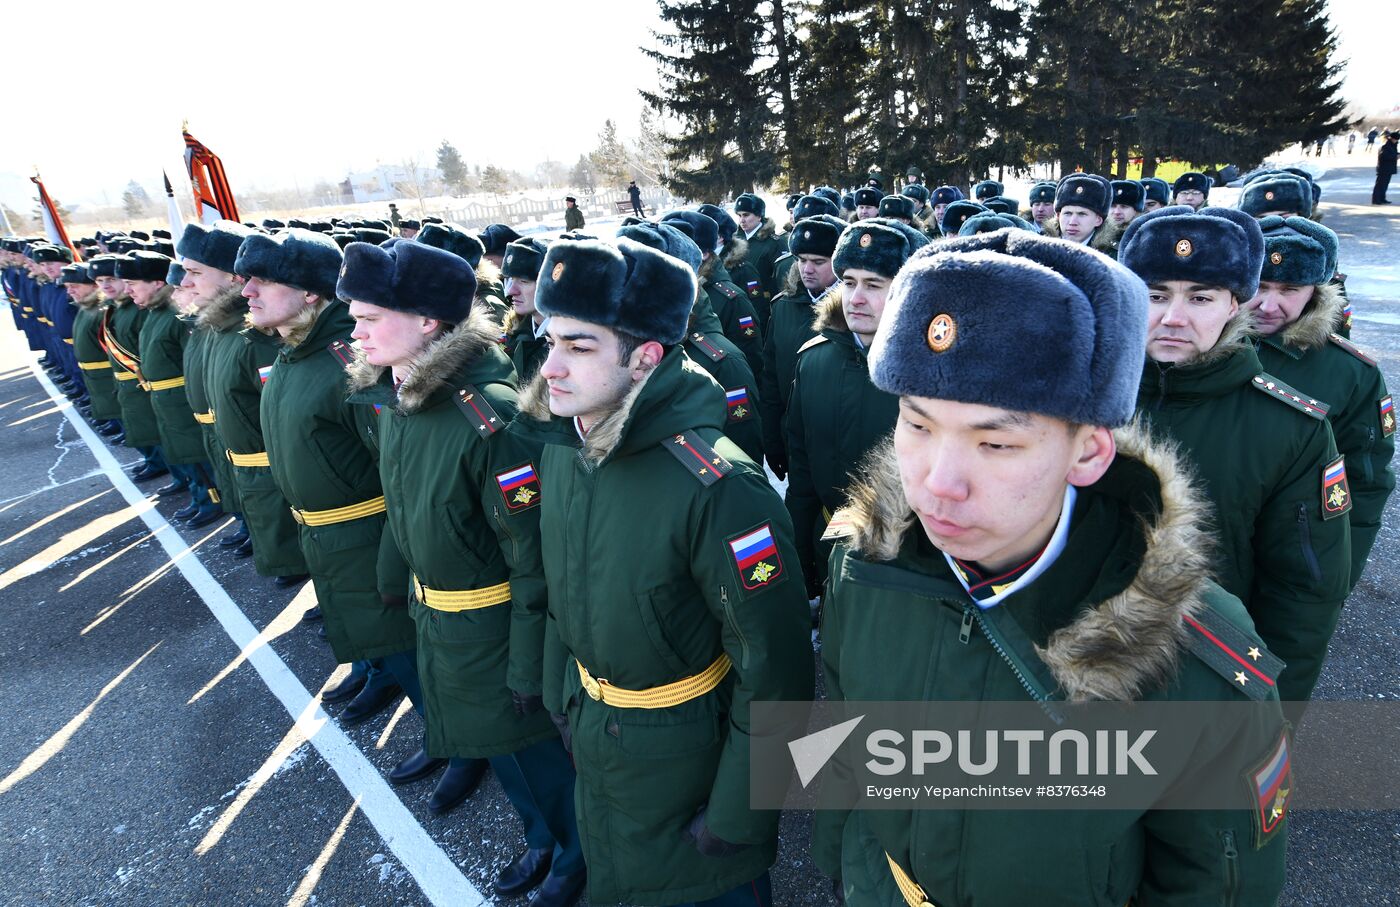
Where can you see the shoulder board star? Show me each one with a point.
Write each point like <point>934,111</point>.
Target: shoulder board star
<point>699,459</point>
<point>728,291</point>
<point>1350,347</point>
<point>1269,385</point>
<point>714,353</point>
<point>1232,653</point>
<point>815,341</point>
<point>478,412</point>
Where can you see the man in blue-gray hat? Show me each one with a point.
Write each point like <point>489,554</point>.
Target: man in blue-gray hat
<point>1262,450</point>
<point>1021,540</point>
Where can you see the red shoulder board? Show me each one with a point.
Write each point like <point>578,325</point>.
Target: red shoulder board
<point>1275,388</point>
<point>706,347</point>
<point>1233,654</point>
<point>478,412</point>
<point>1350,347</point>
<point>342,351</point>
<point>700,459</point>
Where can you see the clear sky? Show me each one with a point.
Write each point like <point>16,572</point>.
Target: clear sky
<point>302,90</point>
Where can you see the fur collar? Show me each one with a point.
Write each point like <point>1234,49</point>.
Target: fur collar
<point>161,299</point>
<point>829,316</point>
<point>487,275</point>
<point>90,301</point>
<point>224,312</point>
<point>792,283</point>
<point>765,230</point>
<point>707,269</point>
<point>736,252</point>
<point>605,435</point>
<point>1117,649</point>
<point>1238,334</point>
<point>1317,322</point>
<point>1104,238</point>
<point>304,324</point>
<point>436,367</point>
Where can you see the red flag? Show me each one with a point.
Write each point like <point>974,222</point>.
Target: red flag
<point>53,224</point>
<point>213,197</point>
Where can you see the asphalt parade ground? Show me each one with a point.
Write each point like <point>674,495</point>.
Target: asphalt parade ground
<point>161,735</point>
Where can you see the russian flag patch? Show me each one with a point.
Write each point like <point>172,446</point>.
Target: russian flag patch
<point>746,325</point>
<point>755,556</point>
<point>520,487</point>
<point>1336,493</point>
<point>264,373</point>
<point>1271,784</point>
<point>738,403</point>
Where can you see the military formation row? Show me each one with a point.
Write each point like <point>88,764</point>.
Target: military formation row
<point>526,480</point>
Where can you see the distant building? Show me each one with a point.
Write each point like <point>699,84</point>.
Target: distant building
<point>389,181</point>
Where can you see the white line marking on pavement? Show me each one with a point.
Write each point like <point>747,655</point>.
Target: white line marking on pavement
<point>440,879</point>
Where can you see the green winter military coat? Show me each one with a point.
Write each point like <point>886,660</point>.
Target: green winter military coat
<point>712,351</point>
<point>526,351</point>
<point>464,505</point>
<point>92,358</point>
<point>640,527</point>
<point>1107,621</point>
<point>835,417</point>
<point>736,315</point>
<point>196,391</point>
<point>573,219</point>
<point>789,327</point>
<point>1310,357</point>
<point>745,276</point>
<point>163,340</point>
<point>764,249</point>
<point>1285,551</point>
<point>238,364</point>
<point>122,337</point>
<point>320,463</point>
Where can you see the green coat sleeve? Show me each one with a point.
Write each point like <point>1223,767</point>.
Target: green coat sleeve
<point>771,406</point>
<point>766,633</point>
<point>828,825</point>
<point>801,498</point>
<point>517,529</point>
<point>730,310</point>
<point>1369,449</point>
<point>1302,569</point>
<point>393,573</point>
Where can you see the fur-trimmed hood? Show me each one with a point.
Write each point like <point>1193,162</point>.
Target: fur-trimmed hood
<point>163,298</point>
<point>224,312</point>
<point>765,230</point>
<point>829,314</point>
<point>605,436</point>
<point>1117,649</point>
<point>736,251</point>
<point>90,301</point>
<point>436,368</point>
<point>1104,239</point>
<point>1239,332</point>
<point>1318,321</point>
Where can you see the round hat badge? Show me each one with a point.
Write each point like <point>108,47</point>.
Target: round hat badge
<point>1078,190</point>
<point>865,240</point>
<point>1276,258</point>
<point>509,257</point>
<point>806,234</point>
<point>1183,248</point>
<point>942,331</point>
<point>558,271</point>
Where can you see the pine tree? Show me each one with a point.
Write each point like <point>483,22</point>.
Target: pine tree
<point>453,168</point>
<point>582,174</point>
<point>135,199</point>
<point>494,180</point>
<point>609,159</point>
<point>709,72</point>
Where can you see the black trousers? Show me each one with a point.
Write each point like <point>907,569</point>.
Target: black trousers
<point>1382,186</point>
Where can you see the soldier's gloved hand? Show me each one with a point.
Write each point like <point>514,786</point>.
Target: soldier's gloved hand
<point>707,842</point>
<point>561,724</point>
<point>525,703</point>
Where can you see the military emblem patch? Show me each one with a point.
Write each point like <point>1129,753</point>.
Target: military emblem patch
<point>1387,417</point>
<point>1271,785</point>
<point>746,325</point>
<point>1183,248</point>
<point>520,487</point>
<point>1270,197</point>
<point>754,288</point>
<point>738,401</point>
<point>865,240</point>
<point>942,331</point>
<point>1346,316</point>
<point>1078,190</point>
<point>558,271</point>
<point>264,373</point>
<point>1276,258</point>
<point>1336,493</point>
<point>756,557</point>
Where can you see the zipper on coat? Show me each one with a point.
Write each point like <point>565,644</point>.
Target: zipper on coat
<point>514,548</point>
<point>733,622</point>
<point>1305,543</point>
<point>972,614</point>
<point>1367,472</point>
<point>965,631</point>
<point>1230,855</point>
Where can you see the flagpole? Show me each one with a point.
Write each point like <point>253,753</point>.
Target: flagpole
<point>177,223</point>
